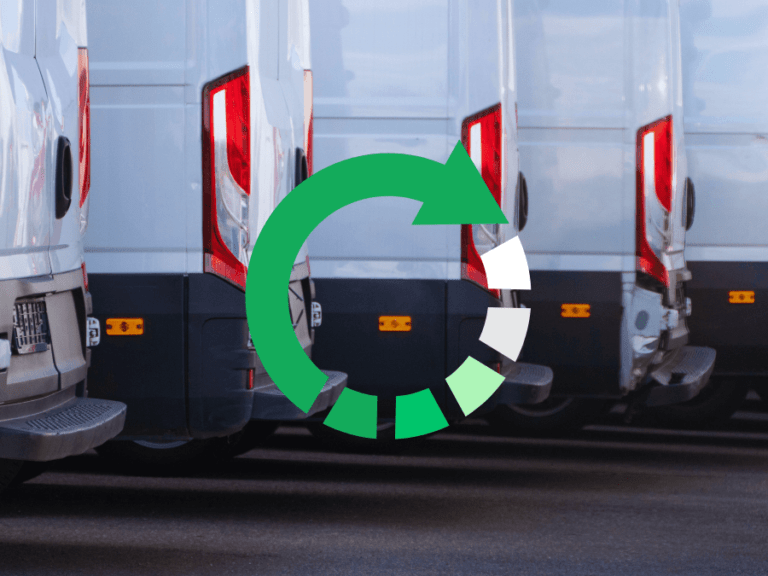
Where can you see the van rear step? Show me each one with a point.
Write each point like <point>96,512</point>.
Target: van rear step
<point>523,384</point>
<point>77,426</point>
<point>271,404</point>
<point>682,376</point>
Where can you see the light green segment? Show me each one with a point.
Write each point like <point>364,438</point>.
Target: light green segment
<point>417,414</point>
<point>472,384</point>
<point>354,413</point>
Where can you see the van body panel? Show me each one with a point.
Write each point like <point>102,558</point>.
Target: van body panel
<point>725,48</point>
<point>26,158</point>
<point>137,90</point>
<point>596,75</point>
<point>402,78</point>
<point>44,303</point>
<point>60,32</point>
<point>384,87</point>
<point>152,63</point>
<point>725,51</point>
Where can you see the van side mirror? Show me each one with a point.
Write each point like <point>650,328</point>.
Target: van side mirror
<point>522,199</point>
<point>689,210</point>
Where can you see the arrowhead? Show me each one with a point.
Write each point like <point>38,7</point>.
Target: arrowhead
<point>461,196</point>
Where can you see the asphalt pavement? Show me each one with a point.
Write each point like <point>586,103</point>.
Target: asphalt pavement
<point>613,500</point>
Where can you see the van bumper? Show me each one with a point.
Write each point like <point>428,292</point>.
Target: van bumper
<point>271,404</point>
<point>681,376</point>
<point>523,384</point>
<point>51,430</point>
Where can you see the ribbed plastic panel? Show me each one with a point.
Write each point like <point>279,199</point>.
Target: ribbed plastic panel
<point>74,417</point>
<point>72,428</point>
<point>534,375</point>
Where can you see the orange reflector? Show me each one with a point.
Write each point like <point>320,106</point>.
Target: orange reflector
<point>125,326</point>
<point>394,323</point>
<point>741,297</point>
<point>575,311</point>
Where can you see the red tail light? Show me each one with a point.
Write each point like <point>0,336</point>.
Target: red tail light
<point>227,176</point>
<point>481,136</point>
<point>654,197</point>
<point>84,117</point>
<point>85,276</point>
<point>309,118</point>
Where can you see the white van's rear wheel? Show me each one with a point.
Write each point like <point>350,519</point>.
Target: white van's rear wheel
<point>713,406</point>
<point>553,417</point>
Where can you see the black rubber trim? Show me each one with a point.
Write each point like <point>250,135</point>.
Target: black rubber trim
<point>736,331</point>
<point>584,353</point>
<point>147,372</point>
<point>384,364</point>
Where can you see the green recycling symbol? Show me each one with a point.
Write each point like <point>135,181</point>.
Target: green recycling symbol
<point>451,193</point>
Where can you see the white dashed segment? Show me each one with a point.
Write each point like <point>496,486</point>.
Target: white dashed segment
<point>505,329</point>
<point>506,266</point>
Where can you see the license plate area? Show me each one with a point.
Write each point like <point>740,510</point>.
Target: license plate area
<point>31,331</point>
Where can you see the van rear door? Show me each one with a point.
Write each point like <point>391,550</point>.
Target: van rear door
<point>26,154</point>
<point>62,58</point>
<point>26,185</point>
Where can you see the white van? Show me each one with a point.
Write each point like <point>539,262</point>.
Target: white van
<point>725,55</point>
<point>202,117</point>
<point>602,148</point>
<point>45,331</point>
<point>415,78</point>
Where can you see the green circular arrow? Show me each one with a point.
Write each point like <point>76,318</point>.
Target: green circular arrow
<point>451,193</point>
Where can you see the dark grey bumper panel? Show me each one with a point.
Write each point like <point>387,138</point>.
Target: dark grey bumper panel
<point>271,404</point>
<point>524,384</point>
<point>77,426</point>
<point>682,376</point>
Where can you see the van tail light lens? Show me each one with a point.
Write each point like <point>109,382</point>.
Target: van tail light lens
<point>84,117</point>
<point>309,118</point>
<point>227,176</point>
<point>655,175</point>
<point>481,136</point>
<point>85,276</point>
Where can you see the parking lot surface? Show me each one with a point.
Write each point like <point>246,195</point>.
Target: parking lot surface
<point>613,500</point>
